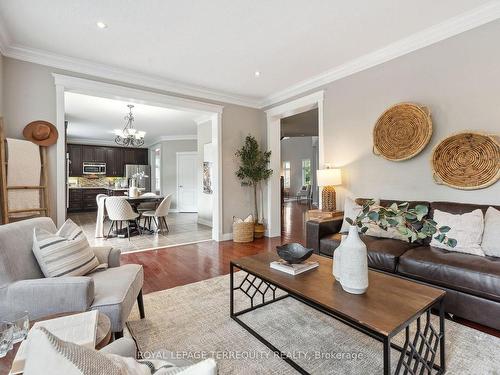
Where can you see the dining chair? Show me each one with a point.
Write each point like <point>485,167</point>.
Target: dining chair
<point>147,206</point>
<point>159,215</point>
<point>98,198</point>
<point>119,210</point>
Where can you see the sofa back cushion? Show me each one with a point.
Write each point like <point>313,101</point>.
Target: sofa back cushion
<point>458,208</point>
<point>17,261</point>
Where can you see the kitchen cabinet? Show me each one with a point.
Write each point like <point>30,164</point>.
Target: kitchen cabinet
<point>100,154</point>
<point>84,199</point>
<point>75,160</point>
<point>114,162</point>
<point>114,157</point>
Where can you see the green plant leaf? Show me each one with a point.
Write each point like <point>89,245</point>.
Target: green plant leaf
<point>373,215</point>
<point>394,207</point>
<point>349,220</point>
<point>444,229</point>
<point>392,222</point>
<point>421,209</point>
<point>451,242</point>
<point>364,229</point>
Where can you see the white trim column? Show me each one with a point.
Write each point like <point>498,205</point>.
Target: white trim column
<point>60,155</point>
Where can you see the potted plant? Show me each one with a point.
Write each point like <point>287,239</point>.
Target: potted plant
<point>252,171</point>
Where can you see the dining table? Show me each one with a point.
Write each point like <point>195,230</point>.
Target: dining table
<point>134,202</point>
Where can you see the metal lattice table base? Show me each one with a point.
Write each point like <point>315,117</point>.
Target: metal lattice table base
<point>418,353</point>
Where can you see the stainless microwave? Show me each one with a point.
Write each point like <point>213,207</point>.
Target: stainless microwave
<point>94,168</point>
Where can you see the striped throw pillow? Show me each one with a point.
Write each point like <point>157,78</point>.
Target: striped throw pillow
<point>65,253</point>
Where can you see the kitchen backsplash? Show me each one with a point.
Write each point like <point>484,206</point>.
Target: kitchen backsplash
<point>93,182</point>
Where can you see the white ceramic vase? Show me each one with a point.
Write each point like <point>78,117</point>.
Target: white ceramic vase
<point>337,259</point>
<point>353,263</point>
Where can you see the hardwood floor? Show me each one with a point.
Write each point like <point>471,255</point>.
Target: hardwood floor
<point>180,265</point>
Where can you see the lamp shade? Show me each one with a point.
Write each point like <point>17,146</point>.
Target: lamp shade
<point>329,177</point>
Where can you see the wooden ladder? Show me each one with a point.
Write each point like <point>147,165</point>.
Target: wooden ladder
<point>44,201</point>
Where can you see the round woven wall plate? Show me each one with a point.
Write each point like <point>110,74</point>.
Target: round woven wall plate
<point>402,131</point>
<point>467,161</point>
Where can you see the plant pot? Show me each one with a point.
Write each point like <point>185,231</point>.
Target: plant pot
<point>259,230</point>
<point>353,273</point>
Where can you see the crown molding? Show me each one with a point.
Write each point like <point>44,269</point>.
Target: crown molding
<point>456,25</point>
<point>446,29</point>
<point>91,68</point>
<point>89,141</point>
<point>163,138</point>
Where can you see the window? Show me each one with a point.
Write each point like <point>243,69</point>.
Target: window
<point>306,172</point>
<point>157,170</point>
<point>286,174</point>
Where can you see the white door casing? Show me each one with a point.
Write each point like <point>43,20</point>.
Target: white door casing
<point>212,112</point>
<point>274,116</point>
<point>187,179</point>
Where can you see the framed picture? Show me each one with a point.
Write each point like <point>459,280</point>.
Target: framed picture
<point>207,177</point>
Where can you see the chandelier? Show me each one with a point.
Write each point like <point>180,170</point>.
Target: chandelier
<point>129,136</point>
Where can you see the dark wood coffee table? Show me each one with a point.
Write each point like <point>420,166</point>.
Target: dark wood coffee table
<point>390,305</point>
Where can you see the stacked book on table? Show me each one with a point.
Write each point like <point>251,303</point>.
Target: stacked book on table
<point>80,329</point>
<point>293,269</point>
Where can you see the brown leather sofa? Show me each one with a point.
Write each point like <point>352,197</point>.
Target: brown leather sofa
<point>472,282</point>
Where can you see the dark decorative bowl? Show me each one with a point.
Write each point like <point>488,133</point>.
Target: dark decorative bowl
<point>293,252</point>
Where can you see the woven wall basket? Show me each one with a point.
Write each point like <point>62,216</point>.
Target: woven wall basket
<point>467,161</point>
<point>402,131</point>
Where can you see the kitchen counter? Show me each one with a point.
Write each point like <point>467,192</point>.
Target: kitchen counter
<point>88,187</point>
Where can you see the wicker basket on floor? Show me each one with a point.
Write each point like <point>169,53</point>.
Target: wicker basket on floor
<point>243,232</point>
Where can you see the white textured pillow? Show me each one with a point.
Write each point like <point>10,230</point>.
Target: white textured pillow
<point>491,234</point>
<point>467,229</point>
<point>47,354</point>
<point>66,253</point>
<point>351,210</point>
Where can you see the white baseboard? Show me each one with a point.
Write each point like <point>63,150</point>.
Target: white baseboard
<point>208,223</point>
<point>227,237</point>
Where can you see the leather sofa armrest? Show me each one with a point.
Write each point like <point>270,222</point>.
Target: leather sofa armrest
<point>316,230</point>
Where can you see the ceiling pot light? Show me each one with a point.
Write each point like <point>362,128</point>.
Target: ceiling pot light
<point>257,74</point>
<point>101,25</point>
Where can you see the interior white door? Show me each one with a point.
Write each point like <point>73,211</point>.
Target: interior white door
<point>187,178</point>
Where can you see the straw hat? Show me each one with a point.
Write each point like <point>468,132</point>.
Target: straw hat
<point>40,132</point>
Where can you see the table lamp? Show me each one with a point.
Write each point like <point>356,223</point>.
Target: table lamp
<point>328,178</point>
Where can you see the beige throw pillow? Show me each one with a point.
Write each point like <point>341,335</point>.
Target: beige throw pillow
<point>491,235</point>
<point>65,253</point>
<point>467,229</point>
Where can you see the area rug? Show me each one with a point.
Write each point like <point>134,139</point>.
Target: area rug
<point>193,321</point>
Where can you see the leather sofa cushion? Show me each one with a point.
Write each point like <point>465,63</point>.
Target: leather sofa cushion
<point>383,253</point>
<point>472,274</point>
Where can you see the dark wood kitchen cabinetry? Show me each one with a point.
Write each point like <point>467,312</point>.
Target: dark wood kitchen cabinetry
<point>115,158</point>
<point>75,160</point>
<point>84,199</point>
<point>114,162</point>
<point>135,156</point>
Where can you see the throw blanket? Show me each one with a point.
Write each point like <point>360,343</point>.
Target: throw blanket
<point>99,225</point>
<point>24,169</point>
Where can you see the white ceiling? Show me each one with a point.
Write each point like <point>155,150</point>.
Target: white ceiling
<point>212,48</point>
<point>93,119</point>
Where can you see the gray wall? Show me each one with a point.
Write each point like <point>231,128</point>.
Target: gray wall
<point>168,165</point>
<point>458,79</point>
<point>205,204</point>
<point>30,95</point>
<point>295,150</point>
<point>1,84</point>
